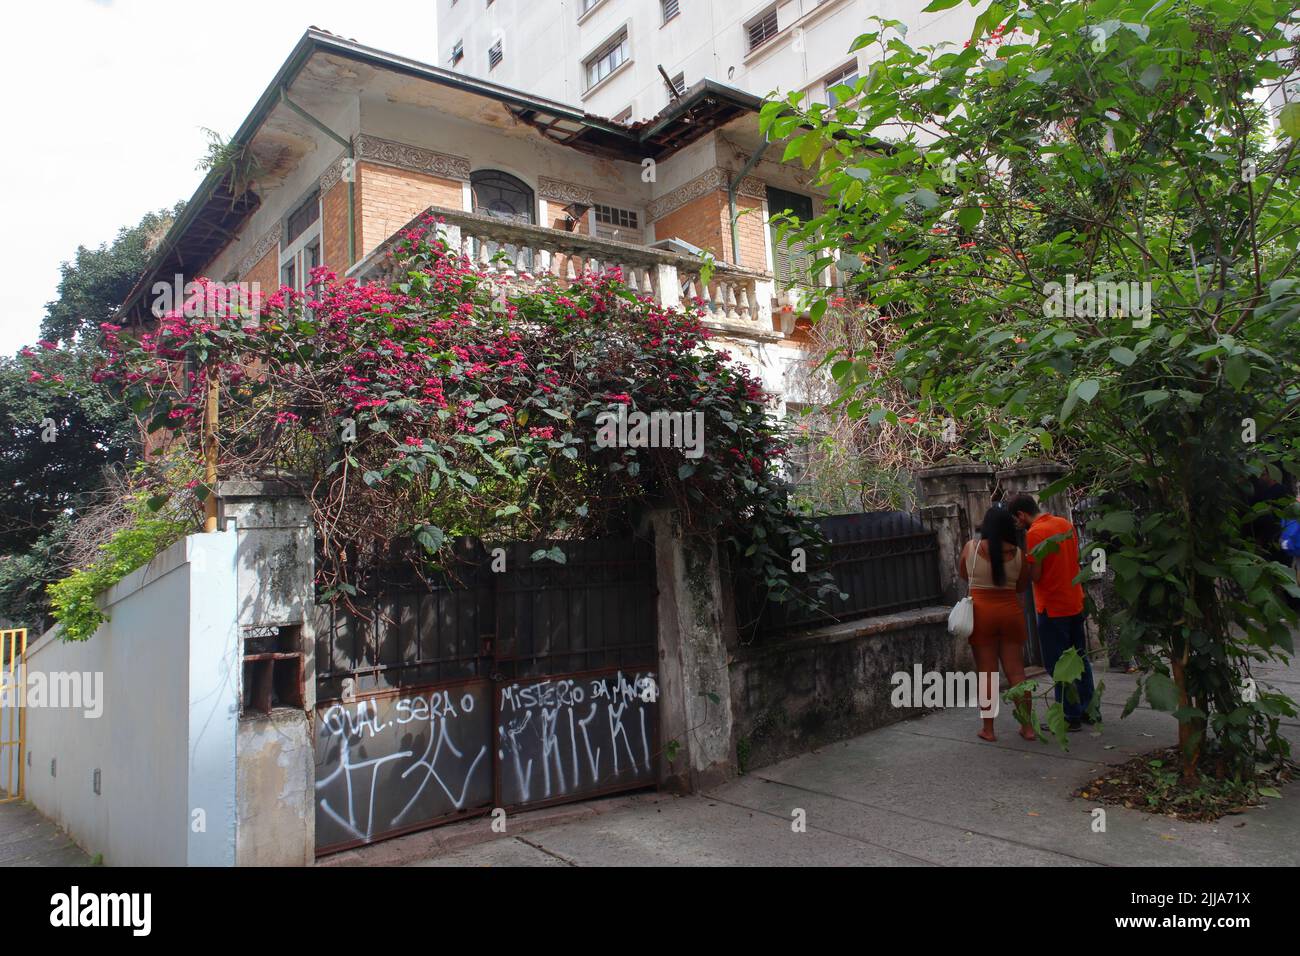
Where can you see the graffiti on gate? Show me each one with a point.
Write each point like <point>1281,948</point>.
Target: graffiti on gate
<point>561,738</point>
<point>394,763</point>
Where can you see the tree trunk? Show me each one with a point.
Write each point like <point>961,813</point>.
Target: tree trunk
<point>1188,728</point>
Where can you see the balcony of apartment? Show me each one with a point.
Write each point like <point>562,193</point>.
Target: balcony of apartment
<point>735,301</point>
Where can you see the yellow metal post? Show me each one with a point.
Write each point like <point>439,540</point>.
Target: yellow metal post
<point>13,714</point>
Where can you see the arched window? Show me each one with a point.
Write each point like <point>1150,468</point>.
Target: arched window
<point>503,196</point>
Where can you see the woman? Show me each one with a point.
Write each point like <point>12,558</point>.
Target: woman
<point>998,573</point>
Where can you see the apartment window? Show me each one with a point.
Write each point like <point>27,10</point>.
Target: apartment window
<point>494,55</point>
<point>624,117</point>
<point>458,52</point>
<point>301,249</point>
<point>587,7</point>
<point>846,76</point>
<point>670,9</point>
<point>679,83</point>
<point>607,59</point>
<point>762,28</point>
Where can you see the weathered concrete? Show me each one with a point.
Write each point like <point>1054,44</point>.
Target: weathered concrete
<point>822,685</point>
<point>276,756</point>
<point>921,792</point>
<point>694,689</point>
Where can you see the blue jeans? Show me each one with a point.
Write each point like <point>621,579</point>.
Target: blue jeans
<point>1056,634</point>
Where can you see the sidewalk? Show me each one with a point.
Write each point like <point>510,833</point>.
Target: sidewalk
<point>923,792</point>
<point>28,839</point>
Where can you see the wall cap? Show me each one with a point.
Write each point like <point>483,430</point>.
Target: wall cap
<point>846,631</point>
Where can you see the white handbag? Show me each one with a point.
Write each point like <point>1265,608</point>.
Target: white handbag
<point>961,619</point>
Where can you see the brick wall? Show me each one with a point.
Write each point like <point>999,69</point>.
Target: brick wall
<point>334,227</point>
<point>700,222</point>
<point>706,222</point>
<point>388,198</point>
<point>749,229</point>
<point>266,272</point>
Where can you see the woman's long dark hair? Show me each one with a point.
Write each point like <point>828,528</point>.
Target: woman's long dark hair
<point>999,528</point>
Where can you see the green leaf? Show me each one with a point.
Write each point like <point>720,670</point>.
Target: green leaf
<point>1237,370</point>
<point>1123,356</point>
<point>1162,694</point>
<point>1088,388</point>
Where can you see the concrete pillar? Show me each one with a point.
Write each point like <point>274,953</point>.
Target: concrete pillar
<point>275,752</point>
<point>695,729</point>
<point>946,522</point>
<point>1030,478</point>
<point>968,485</point>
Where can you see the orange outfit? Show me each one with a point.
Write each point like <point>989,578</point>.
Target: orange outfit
<point>999,617</point>
<point>1055,593</point>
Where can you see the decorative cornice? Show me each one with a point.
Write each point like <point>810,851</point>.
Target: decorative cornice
<point>411,157</point>
<point>269,240</point>
<point>713,180</point>
<point>566,193</point>
<point>330,178</point>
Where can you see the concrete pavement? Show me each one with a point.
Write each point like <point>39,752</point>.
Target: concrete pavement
<point>923,792</point>
<point>28,839</point>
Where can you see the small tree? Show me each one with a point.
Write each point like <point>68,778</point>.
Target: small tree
<point>1081,228</point>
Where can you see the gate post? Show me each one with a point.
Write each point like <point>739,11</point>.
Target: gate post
<point>275,768</point>
<point>694,682</point>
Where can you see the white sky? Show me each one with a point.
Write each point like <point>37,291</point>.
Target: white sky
<point>106,104</point>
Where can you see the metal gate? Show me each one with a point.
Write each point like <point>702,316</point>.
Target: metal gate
<point>522,678</point>
<point>13,714</point>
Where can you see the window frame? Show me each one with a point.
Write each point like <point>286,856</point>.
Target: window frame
<point>760,20</point>
<point>457,52</point>
<point>836,78</point>
<point>664,16</point>
<point>619,40</point>
<point>500,55</point>
<point>296,252</point>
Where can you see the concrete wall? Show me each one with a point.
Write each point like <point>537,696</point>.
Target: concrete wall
<point>165,741</point>
<point>790,696</point>
<point>275,786</point>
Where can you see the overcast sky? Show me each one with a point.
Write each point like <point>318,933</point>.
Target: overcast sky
<point>106,105</point>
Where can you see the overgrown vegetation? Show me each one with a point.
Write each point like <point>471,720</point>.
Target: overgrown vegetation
<point>456,401</point>
<point>74,597</point>
<point>1085,236</point>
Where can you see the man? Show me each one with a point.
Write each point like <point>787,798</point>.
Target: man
<point>1058,600</point>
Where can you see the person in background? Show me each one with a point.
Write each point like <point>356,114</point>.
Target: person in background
<point>1057,599</point>
<point>998,574</point>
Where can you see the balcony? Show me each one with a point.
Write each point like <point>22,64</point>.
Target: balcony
<point>735,301</point>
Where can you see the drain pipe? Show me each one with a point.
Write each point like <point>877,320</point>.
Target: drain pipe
<point>731,195</point>
<point>352,180</point>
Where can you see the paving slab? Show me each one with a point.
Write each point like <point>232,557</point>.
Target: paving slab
<point>922,792</point>
<point>28,839</point>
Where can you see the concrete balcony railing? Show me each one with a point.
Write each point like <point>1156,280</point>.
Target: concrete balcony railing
<point>734,300</point>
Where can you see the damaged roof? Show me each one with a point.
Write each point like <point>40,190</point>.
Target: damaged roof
<point>219,206</point>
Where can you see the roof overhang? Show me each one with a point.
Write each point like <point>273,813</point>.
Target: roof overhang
<point>221,205</point>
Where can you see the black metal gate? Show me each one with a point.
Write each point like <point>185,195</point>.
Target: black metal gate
<point>524,677</point>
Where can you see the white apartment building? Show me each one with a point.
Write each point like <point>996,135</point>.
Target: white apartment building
<point>606,56</point>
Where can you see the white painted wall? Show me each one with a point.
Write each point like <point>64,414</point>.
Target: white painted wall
<point>165,742</point>
<point>545,43</point>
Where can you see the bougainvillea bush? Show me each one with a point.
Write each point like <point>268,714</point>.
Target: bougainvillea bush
<point>453,401</point>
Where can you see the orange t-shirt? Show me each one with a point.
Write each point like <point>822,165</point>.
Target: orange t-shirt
<point>1054,593</point>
